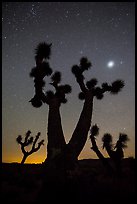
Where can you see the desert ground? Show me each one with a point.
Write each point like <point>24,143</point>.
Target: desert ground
<point>89,183</point>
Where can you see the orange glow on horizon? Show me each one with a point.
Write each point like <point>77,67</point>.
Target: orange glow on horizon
<point>39,158</point>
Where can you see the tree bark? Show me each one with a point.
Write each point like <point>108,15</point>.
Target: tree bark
<point>24,158</point>
<point>79,136</point>
<point>100,156</point>
<point>56,140</point>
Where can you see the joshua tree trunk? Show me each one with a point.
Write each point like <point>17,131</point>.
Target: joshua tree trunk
<point>100,156</point>
<point>24,158</point>
<point>80,133</point>
<point>110,152</point>
<point>56,140</point>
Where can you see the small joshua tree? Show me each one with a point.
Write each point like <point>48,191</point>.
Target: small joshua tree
<point>116,152</point>
<point>94,131</point>
<point>28,141</point>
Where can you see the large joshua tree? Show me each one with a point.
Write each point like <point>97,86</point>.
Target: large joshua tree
<point>89,90</point>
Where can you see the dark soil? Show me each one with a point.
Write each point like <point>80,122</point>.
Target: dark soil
<point>88,183</point>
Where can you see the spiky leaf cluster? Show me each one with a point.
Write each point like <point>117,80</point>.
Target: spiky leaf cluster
<point>94,130</point>
<point>78,70</point>
<point>116,86</point>
<point>62,91</point>
<point>123,138</point>
<point>106,87</point>
<point>85,64</point>
<point>36,101</point>
<point>91,83</point>
<point>41,71</point>
<point>56,78</point>
<point>43,51</point>
<point>19,139</point>
<point>81,96</point>
<point>98,93</point>
<point>107,140</point>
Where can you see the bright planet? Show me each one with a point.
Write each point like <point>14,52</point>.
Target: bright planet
<point>110,64</point>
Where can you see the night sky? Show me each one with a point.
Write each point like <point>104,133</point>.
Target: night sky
<point>102,31</point>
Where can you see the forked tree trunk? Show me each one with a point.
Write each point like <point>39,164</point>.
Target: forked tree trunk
<point>100,156</point>
<point>110,152</point>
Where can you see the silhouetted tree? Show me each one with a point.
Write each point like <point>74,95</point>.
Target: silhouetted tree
<point>29,141</point>
<point>89,90</point>
<point>116,152</point>
<point>93,133</point>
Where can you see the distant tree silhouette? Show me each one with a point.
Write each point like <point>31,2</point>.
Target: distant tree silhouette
<point>29,141</point>
<point>94,131</point>
<point>116,152</point>
<point>89,90</point>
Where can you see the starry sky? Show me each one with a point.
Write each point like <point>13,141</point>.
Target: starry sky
<point>104,32</point>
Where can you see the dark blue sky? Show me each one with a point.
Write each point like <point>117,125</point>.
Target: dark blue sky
<point>102,31</point>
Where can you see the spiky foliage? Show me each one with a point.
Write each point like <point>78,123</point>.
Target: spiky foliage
<point>45,69</point>
<point>91,83</point>
<point>78,73</point>
<point>42,69</point>
<point>43,50</point>
<point>61,90</point>
<point>66,88</point>
<point>19,139</point>
<point>106,87</point>
<point>98,93</point>
<point>28,140</point>
<point>107,140</point>
<point>36,101</point>
<point>78,70</point>
<point>75,70</point>
<point>94,131</point>
<point>81,96</point>
<point>116,86</point>
<point>85,64</point>
<point>56,77</point>
<point>123,139</point>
